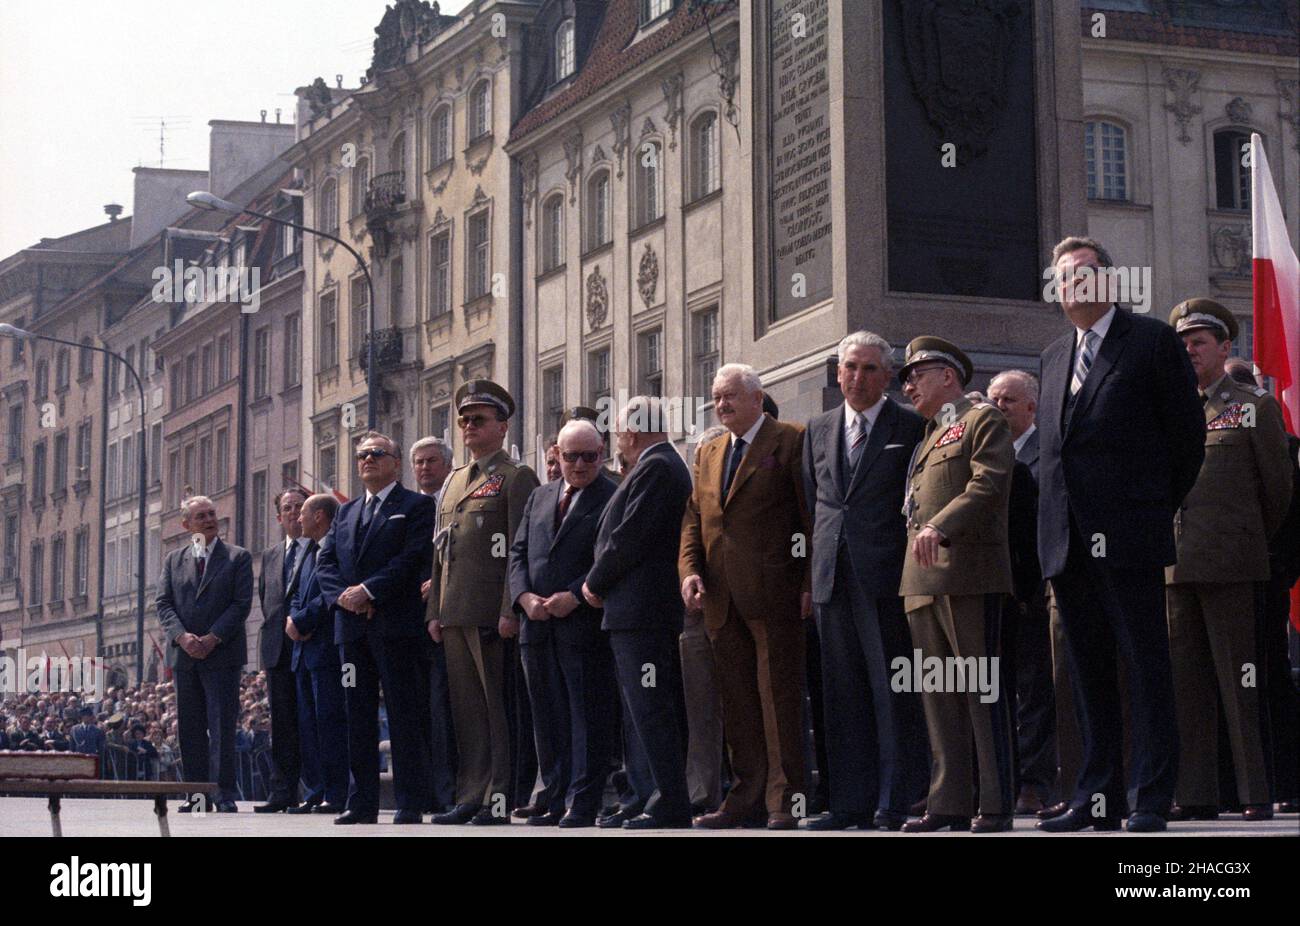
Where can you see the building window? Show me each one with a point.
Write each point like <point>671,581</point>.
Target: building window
<point>129,357</point>
<point>262,362</point>
<point>396,292</point>
<point>289,474</point>
<point>126,566</point>
<point>207,486</point>
<point>110,569</point>
<point>173,479</point>
<point>154,553</point>
<point>155,454</point>
<point>359,183</point>
<point>208,370</point>
<point>552,401</point>
<point>62,369</point>
<point>223,456</point>
<point>359,317</point>
<point>14,434</point>
<point>650,362</point>
<point>157,357</point>
<point>178,398</point>
<point>85,430</point>
<point>440,274</point>
<point>223,358</point>
<point>440,136</point>
<point>598,219</point>
<point>110,472</point>
<point>328,349</point>
<point>329,206</point>
<point>9,566</point>
<point>328,468</point>
<point>704,349</point>
<point>85,359</point>
<point>189,472</point>
<point>598,377</point>
<point>1105,152</point>
<point>61,462</point>
<point>259,510</point>
<point>129,475</point>
<point>480,110</point>
<point>553,232</point>
<point>42,379</point>
<point>653,9</point>
<point>191,378</point>
<point>80,561</point>
<point>479,256</point>
<point>705,174</point>
<point>38,473</point>
<point>397,160</point>
<point>292,349</point>
<point>1231,177</point>
<point>564,59</point>
<point>16,351</point>
<point>114,375</point>
<point>37,590</point>
<point>58,551</point>
<point>649,201</point>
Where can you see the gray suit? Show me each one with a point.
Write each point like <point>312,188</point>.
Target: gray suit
<point>275,596</point>
<point>207,690</point>
<point>875,737</point>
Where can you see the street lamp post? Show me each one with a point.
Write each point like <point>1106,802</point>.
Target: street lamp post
<point>205,200</point>
<point>10,331</point>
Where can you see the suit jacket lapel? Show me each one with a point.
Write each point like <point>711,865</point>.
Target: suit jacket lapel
<point>388,506</point>
<point>876,439</point>
<point>836,450</point>
<point>215,559</point>
<point>275,579</point>
<point>755,452</point>
<point>586,501</point>
<point>1111,347</point>
<point>1056,382</point>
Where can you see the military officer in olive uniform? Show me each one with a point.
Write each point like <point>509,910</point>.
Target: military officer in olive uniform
<point>957,567</point>
<point>470,611</point>
<point>1222,530</point>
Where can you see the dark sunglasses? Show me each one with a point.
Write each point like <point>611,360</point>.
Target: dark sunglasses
<point>476,420</point>
<point>588,456</point>
<point>377,454</point>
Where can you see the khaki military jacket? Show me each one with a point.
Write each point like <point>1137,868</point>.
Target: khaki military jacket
<point>959,481</point>
<point>1242,493</point>
<point>482,505</point>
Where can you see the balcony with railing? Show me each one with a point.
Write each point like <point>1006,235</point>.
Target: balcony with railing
<point>385,195</point>
<point>388,349</point>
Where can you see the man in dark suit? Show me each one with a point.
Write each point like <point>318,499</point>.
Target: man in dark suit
<point>634,578</point>
<point>566,657</point>
<point>322,710</point>
<point>854,469</point>
<point>204,596</point>
<point>280,566</point>
<point>1122,441</point>
<point>375,556</point>
<point>1026,626</point>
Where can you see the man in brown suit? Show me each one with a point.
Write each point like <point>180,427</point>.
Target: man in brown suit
<point>957,568</point>
<point>744,560</point>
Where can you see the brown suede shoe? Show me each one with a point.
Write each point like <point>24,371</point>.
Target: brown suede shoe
<point>719,820</point>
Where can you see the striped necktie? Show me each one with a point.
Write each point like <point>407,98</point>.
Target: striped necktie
<point>1084,361</point>
<point>858,439</point>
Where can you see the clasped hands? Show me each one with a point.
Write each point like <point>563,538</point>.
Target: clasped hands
<point>561,604</point>
<point>197,647</point>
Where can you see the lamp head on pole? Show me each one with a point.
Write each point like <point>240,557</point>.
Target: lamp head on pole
<point>202,199</point>
<point>13,331</point>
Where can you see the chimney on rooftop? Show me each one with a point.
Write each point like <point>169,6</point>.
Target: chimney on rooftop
<point>264,115</point>
<point>112,210</point>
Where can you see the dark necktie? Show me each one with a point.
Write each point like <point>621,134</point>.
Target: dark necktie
<point>367,515</point>
<point>563,508</point>
<point>199,564</point>
<point>733,464</point>
<point>288,563</point>
<point>859,440</point>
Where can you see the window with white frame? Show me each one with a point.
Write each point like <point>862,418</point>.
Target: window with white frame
<point>1105,146</point>
<point>653,9</point>
<point>479,243</point>
<point>360,183</point>
<point>646,179</point>
<point>480,110</point>
<point>553,232</point>
<point>440,274</point>
<point>552,401</point>
<point>650,362</point>
<point>328,349</point>
<point>329,206</point>
<point>36,591</point>
<point>705,173</point>
<point>598,377</point>
<point>598,213</point>
<point>704,349</point>
<point>564,51</point>
<point>440,135</point>
<point>1231,175</point>
<point>80,561</point>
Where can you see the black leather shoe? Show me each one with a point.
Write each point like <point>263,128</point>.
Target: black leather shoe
<point>617,818</point>
<point>1053,810</point>
<point>352,817</point>
<point>932,822</point>
<point>888,820</point>
<point>528,811</point>
<point>1193,812</point>
<point>1078,818</point>
<point>647,821</point>
<point>575,821</point>
<point>1291,806</point>
<point>334,809</point>
<point>227,807</point>
<point>1256,812</point>
<point>275,804</point>
<point>1143,821</point>
<point>550,818</point>
<point>304,807</point>
<point>404,817</point>
<point>838,820</point>
<point>992,823</point>
<point>461,813</point>
<point>486,817</point>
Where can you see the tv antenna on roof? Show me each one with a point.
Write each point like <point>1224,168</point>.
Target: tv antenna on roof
<point>165,124</point>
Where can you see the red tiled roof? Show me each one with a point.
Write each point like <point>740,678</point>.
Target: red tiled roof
<point>1161,30</point>
<point>611,58</point>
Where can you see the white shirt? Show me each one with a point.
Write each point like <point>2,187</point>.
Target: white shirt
<point>1020,441</point>
<point>850,416</point>
<point>748,436</point>
<point>1101,326</point>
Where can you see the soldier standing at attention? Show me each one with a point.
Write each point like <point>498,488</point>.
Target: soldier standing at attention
<point>957,568</point>
<point>1221,531</point>
<point>470,608</point>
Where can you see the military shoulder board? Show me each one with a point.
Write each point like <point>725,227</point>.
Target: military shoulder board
<point>952,435</point>
<point>1230,417</point>
<point>489,489</point>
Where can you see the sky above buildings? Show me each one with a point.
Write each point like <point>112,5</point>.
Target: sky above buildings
<point>84,85</point>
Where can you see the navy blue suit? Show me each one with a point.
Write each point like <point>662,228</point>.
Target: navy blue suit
<point>1115,462</point>
<point>390,646</point>
<point>322,714</point>
<point>568,666</point>
<point>635,572</point>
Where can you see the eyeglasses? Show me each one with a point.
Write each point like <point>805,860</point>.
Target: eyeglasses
<point>587,456</point>
<point>914,376</point>
<point>475,420</point>
<point>373,452</point>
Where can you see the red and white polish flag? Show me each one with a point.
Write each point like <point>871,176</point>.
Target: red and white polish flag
<point>1276,284</point>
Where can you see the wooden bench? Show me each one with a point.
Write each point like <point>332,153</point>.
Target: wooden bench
<point>55,790</point>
